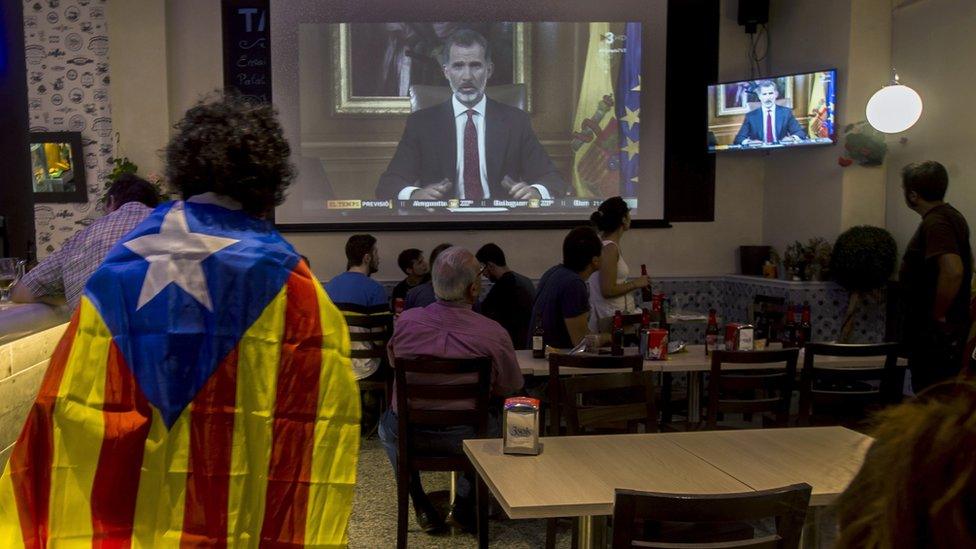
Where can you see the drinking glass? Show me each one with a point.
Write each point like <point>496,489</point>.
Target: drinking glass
<point>10,271</point>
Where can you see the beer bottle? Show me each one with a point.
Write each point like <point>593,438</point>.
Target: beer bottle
<point>645,329</point>
<point>789,329</point>
<point>538,341</point>
<point>711,332</point>
<point>645,290</point>
<point>761,338</point>
<point>805,331</point>
<point>617,337</point>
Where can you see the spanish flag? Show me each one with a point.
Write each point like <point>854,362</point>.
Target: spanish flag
<point>595,140</point>
<point>201,396</point>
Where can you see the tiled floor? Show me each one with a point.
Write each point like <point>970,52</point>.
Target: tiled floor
<point>373,523</point>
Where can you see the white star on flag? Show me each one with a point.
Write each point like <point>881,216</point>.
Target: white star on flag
<point>175,255</point>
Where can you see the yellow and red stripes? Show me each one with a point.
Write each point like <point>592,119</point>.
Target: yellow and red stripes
<point>127,417</point>
<point>29,468</point>
<point>264,455</point>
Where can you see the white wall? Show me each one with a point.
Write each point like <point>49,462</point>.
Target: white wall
<point>934,48</point>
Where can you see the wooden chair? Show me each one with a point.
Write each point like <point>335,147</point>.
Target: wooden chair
<point>754,390</point>
<point>583,417</point>
<point>846,396</point>
<point>634,363</point>
<point>424,96</point>
<point>416,408</point>
<point>557,361</point>
<point>642,519</point>
<point>375,330</point>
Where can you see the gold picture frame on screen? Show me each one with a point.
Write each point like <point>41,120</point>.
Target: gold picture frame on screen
<point>377,54</point>
<point>738,98</point>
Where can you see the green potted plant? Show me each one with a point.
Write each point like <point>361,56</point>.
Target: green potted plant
<point>794,261</point>
<point>862,261</point>
<point>817,255</point>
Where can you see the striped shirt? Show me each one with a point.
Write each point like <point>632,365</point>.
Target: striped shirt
<point>66,271</point>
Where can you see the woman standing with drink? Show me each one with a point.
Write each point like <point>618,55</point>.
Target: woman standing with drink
<point>609,289</point>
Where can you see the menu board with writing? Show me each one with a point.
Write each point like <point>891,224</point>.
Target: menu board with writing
<point>247,47</point>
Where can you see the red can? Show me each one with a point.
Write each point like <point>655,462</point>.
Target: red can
<point>398,305</point>
<point>657,344</point>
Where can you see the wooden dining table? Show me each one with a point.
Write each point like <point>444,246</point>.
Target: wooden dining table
<point>576,476</point>
<point>692,361</point>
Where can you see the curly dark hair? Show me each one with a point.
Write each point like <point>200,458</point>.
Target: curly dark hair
<point>233,147</point>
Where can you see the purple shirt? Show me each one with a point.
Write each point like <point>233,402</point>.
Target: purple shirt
<point>452,330</point>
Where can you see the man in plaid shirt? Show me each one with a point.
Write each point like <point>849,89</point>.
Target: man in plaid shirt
<point>61,277</point>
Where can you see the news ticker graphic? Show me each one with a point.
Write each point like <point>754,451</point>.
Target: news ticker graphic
<point>458,204</point>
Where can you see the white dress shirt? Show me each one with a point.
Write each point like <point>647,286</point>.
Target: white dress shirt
<point>460,121</point>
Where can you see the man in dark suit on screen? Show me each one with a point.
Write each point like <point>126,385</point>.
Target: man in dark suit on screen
<point>770,123</point>
<point>470,147</point>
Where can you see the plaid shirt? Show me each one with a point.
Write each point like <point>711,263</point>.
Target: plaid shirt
<point>66,271</point>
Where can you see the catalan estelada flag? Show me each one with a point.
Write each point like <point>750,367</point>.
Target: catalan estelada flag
<point>201,396</point>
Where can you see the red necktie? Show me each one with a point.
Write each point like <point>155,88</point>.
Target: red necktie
<point>769,126</point>
<point>472,165</point>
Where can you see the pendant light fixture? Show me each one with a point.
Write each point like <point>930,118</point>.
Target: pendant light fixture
<point>894,108</point>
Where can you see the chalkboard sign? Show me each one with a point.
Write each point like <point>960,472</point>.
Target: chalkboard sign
<point>247,47</point>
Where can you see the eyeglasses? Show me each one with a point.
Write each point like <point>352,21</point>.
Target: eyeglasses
<point>484,269</point>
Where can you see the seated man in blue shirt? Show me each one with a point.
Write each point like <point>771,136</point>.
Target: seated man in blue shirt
<point>354,292</point>
<point>562,299</point>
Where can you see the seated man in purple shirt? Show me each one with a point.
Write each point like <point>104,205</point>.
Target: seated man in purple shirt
<point>449,328</point>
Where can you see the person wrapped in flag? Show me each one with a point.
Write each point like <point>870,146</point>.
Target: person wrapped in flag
<point>202,394</point>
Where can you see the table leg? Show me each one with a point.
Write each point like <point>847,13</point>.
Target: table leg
<point>694,398</point>
<point>592,532</point>
<point>454,475</point>
<point>810,534</point>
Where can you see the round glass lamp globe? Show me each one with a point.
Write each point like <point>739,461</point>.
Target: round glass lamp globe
<point>894,109</point>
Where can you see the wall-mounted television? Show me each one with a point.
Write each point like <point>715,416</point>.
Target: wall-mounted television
<point>57,168</point>
<point>793,110</point>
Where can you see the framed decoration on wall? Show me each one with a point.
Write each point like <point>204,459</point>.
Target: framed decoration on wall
<point>374,64</point>
<point>737,98</point>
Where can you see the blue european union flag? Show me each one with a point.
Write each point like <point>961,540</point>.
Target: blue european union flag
<point>830,95</point>
<point>628,110</point>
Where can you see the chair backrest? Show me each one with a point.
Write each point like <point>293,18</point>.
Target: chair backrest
<point>752,390</point>
<point>850,387</point>
<point>421,389</point>
<point>375,329</point>
<point>422,96</point>
<point>631,394</point>
<point>557,361</point>
<point>635,513</point>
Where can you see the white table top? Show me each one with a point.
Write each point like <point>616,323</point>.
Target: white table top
<point>692,360</point>
<point>576,476</point>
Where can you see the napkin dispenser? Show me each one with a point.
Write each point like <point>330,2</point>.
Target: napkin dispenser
<point>739,337</point>
<point>521,425</point>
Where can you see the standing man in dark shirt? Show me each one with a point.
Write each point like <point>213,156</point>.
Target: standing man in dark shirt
<point>413,264</point>
<point>509,301</point>
<point>562,300</point>
<point>935,277</point>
